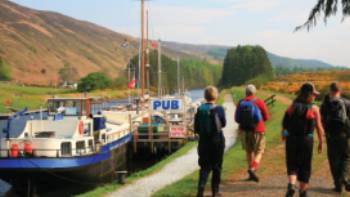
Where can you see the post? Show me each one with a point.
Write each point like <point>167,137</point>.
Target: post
<point>178,76</point>
<point>159,69</point>
<point>129,79</point>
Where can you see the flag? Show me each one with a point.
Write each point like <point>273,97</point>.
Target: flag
<point>131,84</point>
<point>154,44</point>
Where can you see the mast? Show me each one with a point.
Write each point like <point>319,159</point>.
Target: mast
<point>147,53</point>
<point>159,68</point>
<point>142,48</point>
<point>178,76</point>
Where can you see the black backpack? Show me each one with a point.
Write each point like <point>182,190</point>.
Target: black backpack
<point>337,114</point>
<point>298,120</point>
<point>207,120</point>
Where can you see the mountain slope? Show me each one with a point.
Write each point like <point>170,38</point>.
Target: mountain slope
<point>36,44</point>
<point>219,52</point>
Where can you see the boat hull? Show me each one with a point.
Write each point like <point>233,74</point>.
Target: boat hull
<point>86,170</point>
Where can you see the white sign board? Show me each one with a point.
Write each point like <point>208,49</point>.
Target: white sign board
<point>171,105</point>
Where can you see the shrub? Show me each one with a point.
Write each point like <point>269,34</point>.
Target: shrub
<point>94,81</point>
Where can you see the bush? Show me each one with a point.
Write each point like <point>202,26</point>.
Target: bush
<point>94,81</point>
<point>121,82</point>
<point>5,71</point>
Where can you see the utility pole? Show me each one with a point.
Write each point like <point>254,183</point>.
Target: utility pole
<point>159,68</point>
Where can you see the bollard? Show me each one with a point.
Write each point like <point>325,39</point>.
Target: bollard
<point>121,176</point>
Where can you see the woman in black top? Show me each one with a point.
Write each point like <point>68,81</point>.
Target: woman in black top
<point>299,123</point>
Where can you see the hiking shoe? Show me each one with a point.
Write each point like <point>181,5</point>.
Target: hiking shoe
<point>200,192</point>
<point>303,194</point>
<point>253,176</point>
<point>217,194</point>
<point>291,190</point>
<point>338,189</point>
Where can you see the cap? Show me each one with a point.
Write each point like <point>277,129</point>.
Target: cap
<point>334,87</point>
<point>250,89</point>
<point>309,88</point>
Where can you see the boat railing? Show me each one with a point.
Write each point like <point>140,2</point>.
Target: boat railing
<point>11,153</point>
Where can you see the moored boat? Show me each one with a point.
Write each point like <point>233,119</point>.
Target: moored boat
<point>71,144</point>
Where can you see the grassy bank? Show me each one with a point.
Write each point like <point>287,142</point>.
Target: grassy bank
<point>112,187</point>
<point>18,97</point>
<point>235,157</point>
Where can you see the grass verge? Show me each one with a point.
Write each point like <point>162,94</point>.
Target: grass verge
<point>111,187</point>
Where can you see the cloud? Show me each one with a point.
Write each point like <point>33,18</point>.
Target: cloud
<point>249,5</point>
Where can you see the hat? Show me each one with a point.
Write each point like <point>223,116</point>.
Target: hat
<point>250,89</point>
<point>309,88</point>
<point>334,87</point>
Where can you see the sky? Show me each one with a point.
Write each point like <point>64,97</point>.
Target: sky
<point>269,23</point>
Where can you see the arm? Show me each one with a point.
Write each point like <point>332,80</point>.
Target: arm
<point>196,123</point>
<point>237,113</point>
<point>319,127</point>
<point>222,116</point>
<point>264,111</point>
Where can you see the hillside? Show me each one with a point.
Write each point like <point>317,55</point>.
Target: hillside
<point>218,53</point>
<point>36,44</point>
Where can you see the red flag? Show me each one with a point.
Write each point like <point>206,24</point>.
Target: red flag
<point>154,44</point>
<point>131,84</point>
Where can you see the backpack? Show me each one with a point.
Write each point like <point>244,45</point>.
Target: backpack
<point>337,115</point>
<point>299,120</point>
<point>208,120</point>
<point>249,115</point>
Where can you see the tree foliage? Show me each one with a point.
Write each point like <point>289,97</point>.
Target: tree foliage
<point>94,81</point>
<point>5,71</point>
<point>195,73</point>
<point>244,63</point>
<point>327,8</point>
<point>68,73</point>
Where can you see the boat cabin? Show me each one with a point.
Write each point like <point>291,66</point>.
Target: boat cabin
<point>69,106</point>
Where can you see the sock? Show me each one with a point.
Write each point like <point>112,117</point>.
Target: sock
<point>254,165</point>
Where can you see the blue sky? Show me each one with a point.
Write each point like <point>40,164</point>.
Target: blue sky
<point>269,23</point>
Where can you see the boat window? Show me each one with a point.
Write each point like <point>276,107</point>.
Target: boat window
<point>104,137</point>
<point>65,107</point>
<point>80,147</point>
<point>91,144</point>
<point>66,149</point>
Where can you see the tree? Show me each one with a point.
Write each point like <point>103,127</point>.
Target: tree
<point>328,8</point>
<point>94,81</point>
<point>68,74</point>
<point>245,63</point>
<point>5,71</point>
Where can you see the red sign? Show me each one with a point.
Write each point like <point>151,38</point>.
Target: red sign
<point>177,132</point>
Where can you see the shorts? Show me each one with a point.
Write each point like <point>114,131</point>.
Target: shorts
<point>253,142</point>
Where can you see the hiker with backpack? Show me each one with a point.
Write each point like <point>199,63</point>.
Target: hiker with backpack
<point>299,123</point>
<point>251,114</point>
<point>208,124</point>
<point>335,112</point>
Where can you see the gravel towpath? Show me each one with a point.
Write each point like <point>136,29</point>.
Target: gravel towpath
<point>180,167</point>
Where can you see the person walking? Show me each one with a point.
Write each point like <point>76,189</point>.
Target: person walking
<point>251,114</point>
<point>299,123</point>
<point>335,112</point>
<point>209,121</point>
